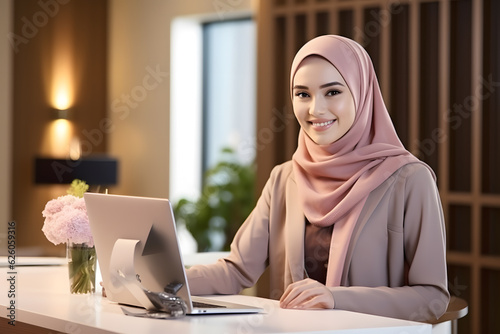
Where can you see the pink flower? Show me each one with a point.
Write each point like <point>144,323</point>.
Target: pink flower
<point>66,220</point>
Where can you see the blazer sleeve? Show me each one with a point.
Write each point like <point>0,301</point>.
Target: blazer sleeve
<point>248,255</point>
<point>425,296</point>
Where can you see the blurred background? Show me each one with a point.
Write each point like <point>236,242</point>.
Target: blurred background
<point>186,98</point>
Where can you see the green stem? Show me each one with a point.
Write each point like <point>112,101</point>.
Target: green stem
<point>81,265</point>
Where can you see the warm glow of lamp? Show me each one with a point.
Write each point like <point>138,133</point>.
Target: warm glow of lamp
<point>61,132</point>
<point>75,151</point>
<point>61,129</point>
<point>62,87</point>
<point>61,98</point>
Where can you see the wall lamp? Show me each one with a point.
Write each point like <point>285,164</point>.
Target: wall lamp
<point>61,113</point>
<point>94,170</point>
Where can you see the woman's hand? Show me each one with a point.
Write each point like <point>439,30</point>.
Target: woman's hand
<point>307,294</point>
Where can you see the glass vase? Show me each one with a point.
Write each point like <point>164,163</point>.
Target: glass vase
<point>81,267</point>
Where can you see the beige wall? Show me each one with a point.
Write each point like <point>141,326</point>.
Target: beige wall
<point>137,101</point>
<point>139,43</point>
<point>5,117</point>
<point>60,47</point>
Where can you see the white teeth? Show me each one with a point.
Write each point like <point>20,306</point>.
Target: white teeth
<point>322,124</point>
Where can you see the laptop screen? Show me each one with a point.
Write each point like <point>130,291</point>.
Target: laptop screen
<point>157,259</point>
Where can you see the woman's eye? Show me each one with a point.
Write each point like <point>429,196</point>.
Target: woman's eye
<point>301,94</point>
<point>333,92</point>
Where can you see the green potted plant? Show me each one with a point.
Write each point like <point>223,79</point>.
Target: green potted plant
<point>227,198</point>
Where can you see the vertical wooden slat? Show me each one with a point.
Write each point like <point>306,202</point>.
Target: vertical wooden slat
<point>414,105</point>
<point>444,92</point>
<point>490,98</point>
<point>476,67</point>
<point>322,23</point>
<point>291,49</point>
<point>371,34</point>
<point>444,56</point>
<point>346,23</point>
<point>334,20</point>
<point>358,23</point>
<point>429,85</point>
<point>398,104</point>
<point>385,47</point>
<point>265,58</point>
<point>311,22</point>
<point>460,96</point>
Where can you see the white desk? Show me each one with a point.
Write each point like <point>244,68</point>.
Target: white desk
<point>43,300</point>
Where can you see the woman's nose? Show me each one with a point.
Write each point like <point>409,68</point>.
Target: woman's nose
<point>318,107</point>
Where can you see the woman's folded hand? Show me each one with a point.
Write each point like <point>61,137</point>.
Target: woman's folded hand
<point>307,294</point>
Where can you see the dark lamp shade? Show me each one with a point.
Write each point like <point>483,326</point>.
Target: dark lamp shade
<point>61,113</point>
<point>99,170</point>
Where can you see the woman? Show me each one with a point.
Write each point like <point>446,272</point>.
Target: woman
<point>353,221</point>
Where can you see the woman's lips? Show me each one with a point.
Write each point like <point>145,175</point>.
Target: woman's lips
<point>323,125</point>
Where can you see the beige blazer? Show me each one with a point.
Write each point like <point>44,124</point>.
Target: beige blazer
<point>395,263</point>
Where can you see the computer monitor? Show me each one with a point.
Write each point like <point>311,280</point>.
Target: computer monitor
<point>157,260</point>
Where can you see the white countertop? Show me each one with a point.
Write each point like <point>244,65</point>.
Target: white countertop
<point>42,298</point>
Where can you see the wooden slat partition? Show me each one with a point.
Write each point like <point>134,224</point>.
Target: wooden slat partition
<point>471,210</point>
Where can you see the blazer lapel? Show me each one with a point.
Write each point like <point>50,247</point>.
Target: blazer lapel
<point>294,229</point>
<point>370,205</point>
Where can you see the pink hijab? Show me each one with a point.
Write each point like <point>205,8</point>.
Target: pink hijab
<point>335,180</point>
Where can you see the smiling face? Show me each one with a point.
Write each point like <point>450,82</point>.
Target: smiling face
<point>322,101</point>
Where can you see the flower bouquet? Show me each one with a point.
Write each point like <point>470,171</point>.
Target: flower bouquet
<point>66,221</point>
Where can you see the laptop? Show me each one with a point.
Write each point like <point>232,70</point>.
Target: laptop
<point>145,229</point>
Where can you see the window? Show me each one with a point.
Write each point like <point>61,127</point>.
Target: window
<point>213,73</point>
<point>229,96</point>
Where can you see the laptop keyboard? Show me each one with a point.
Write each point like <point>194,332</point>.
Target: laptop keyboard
<point>205,305</point>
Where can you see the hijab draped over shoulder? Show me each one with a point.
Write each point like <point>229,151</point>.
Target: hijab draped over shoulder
<point>335,180</point>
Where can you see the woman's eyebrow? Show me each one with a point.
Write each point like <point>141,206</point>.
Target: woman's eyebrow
<point>334,83</point>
